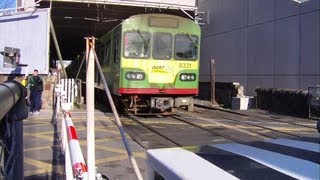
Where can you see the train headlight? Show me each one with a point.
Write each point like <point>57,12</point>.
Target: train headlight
<point>135,76</point>
<point>188,77</point>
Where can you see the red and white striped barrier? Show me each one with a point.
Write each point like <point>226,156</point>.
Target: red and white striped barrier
<point>78,164</point>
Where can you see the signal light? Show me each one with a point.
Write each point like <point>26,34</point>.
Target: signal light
<point>187,76</point>
<point>135,76</point>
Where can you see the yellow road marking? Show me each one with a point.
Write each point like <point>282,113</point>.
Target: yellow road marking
<point>293,129</point>
<point>117,158</point>
<point>36,148</point>
<point>47,132</point>
<point>35,172</point>
<point>115,150</point>
<point>44,167</point>
<point>107,130</point>
<point>140,155</point>
<point>162,122</point>
<point>107,139</point>
<point>236,128</point>
<point>39,164</point>
<point>38,124</point>
<point>209,125</point>
<point>39,136</point>
<point>111,159</point>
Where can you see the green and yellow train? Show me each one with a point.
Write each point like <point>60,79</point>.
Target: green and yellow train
<point>151,62</point>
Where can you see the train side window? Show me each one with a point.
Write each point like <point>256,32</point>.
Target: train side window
<point>106,55</point>
<point>117,45</point>
<point>137,44</point>
<point>101,54</point>
<point>185,47</point>
<point>162,46</point>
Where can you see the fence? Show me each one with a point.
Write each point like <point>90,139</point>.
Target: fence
<point>68,89</point>
<point>75,166</point>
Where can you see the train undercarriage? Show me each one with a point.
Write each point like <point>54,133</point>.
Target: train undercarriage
<point>144,105</point>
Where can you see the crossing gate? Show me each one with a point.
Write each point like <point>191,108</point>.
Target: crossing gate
<point>271,159</point>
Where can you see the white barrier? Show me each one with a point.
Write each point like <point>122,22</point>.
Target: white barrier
<point>177,163</point>
<point>274,159</point>
<point>68,91</point>
<point>73,155</point>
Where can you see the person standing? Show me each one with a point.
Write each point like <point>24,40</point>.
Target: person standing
<point>35,84</point>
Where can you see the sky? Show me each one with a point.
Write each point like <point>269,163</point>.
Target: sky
<point>4,4</point>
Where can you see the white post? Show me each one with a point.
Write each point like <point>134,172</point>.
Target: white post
<point>90,108</point>
<point>63,91</point>
<point>69,92</point>
<point>72,92</point>
<point>58,90</point>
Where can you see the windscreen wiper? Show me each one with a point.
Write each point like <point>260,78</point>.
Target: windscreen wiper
<point>190,38</point>
<point>145,42</point>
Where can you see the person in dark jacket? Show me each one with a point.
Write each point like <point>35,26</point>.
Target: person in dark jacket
<point>35,84</point>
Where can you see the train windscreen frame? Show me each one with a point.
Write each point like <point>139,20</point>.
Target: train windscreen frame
<point>185,47</point>
<point>137,44</point>
<point>162,46</point>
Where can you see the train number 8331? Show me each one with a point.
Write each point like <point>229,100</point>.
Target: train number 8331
<point>185,65</point>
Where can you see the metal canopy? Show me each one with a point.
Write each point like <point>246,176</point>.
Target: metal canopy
<point>188,5</point>
<point>74,20</point>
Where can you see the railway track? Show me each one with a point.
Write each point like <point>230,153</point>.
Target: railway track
<point>162,132</point>
<point>266,116</point>
<point>279,125</point>
<point>211,127</point>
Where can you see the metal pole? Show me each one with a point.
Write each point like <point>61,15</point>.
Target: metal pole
<point>80,67</point>
<point>213,82</point>
<point>116,115</point>
<point>56,44</point>
<point>90,43</point>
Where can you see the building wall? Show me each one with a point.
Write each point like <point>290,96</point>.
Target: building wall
<point>261,43</point>
<point>27,31</point>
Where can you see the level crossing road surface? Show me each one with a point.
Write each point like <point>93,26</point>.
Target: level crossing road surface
<point>43,158</point>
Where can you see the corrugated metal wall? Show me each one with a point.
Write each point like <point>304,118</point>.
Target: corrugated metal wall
<point>262,43</point>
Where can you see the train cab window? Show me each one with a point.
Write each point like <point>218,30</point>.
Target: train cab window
<point>137,44</point>
<point>185,47</point>
<point>162,46</point>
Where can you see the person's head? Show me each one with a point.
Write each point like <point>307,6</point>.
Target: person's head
<point>35,72</point>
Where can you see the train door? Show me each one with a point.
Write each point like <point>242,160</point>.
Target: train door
<point>115,68</point>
